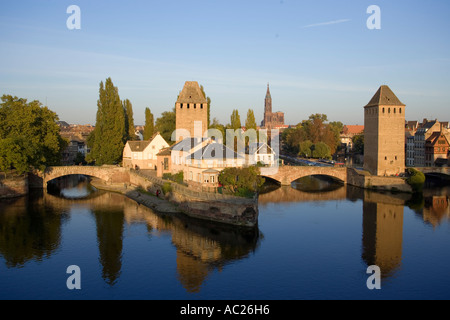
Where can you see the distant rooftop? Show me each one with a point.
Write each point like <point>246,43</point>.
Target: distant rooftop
<point>351,129</point>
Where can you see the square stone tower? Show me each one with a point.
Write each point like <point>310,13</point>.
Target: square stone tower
<point>191,107</point>
<point>384,134</point>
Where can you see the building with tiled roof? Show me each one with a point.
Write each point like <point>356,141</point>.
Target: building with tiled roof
<point>348,133</point>
<point>143,154</point>
<point>436,147</point>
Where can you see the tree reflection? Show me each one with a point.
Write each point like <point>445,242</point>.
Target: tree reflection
<point>28,231</point>
<point>110,242</point>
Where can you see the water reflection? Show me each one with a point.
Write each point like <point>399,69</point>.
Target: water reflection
<point>382,233</point>
<point>28,231</point>
<point>31,229</point>
<point>383,213</point>
<point>71,187</point>
<point>434,206</point>
<point>110,224</point>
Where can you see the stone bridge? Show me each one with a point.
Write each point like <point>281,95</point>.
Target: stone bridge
<point>109,174</point>
<point>288,174</point>
<point>435,170</point>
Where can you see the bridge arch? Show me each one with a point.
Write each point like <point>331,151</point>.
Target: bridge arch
<point>336,177</point>
<point>109,174</point>
<point>285,175</point>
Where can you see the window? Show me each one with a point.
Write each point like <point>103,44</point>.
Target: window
<point>383,110</point>
<point>181,106</point>
<point>195,106</point>
<point>166,163</point>
<point>389,110</point>
<point>201,106</point>
<point>400,110</point>
<point>395,110</point>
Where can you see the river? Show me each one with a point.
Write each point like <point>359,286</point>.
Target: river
<point>314,240</point>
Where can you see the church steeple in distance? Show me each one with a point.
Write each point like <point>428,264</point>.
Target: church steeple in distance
<point>268,102</point>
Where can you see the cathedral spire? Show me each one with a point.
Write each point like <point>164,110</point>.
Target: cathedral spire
<point>268,92</point>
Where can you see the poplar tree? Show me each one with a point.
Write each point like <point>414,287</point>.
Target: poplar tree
<point>149,128</point>
<point>129,121</point>
<point>235,120</point>
<point>208,101</point>
<point>250,122</point>
<point>108,138</point>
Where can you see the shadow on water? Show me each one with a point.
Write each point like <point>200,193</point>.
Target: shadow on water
<point>30,229</point>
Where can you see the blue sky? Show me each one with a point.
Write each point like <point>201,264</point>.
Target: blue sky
<point>318,56</point>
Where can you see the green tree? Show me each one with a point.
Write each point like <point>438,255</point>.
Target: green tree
<point>321,151</point>
<point>292,138</point>
<point>235,125</point>
<point>305,149</point>
<point>208,100</point>
<point>235,120</point>
<point>109,136</point>
<point>149,128</point>
<point>29,135</point>
<point>166,125</point>
<point>250,124</point>
<point>129,121</point>
<point>316,129</point>
<point>218,126</point>
<point>416,179</point>
<point>15,153</point>
<point>358,143</point>
<point>241,181</point>
<point>79,158</point>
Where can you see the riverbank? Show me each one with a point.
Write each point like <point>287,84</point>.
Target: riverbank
<point>13,186</point>
<point>136,194</point>
<point>231,210</point>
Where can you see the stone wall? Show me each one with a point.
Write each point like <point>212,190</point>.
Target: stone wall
<point>364,179</point>
<point>13,186</point>
<point>210,206</point>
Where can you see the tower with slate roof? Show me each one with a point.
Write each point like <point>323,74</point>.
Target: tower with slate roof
<point>384,134</point>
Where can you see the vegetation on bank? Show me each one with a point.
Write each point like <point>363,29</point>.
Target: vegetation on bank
<point>313,138</point>
<point>29,135</point>
<point>177,177</point>
<point>242,182</point>
<point>416,179</point>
